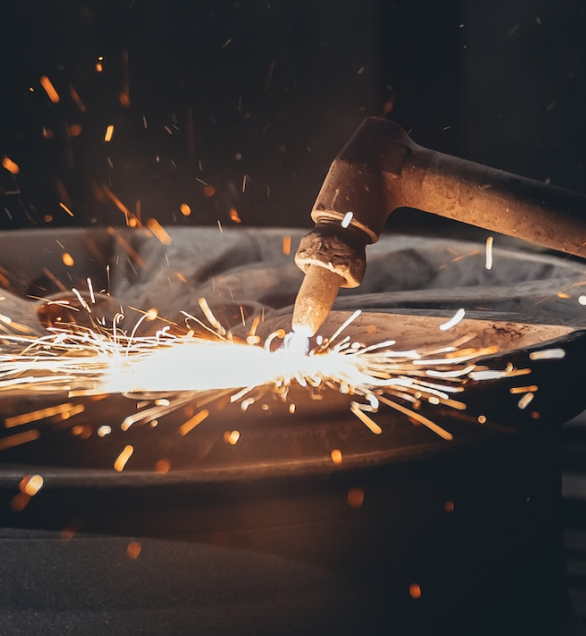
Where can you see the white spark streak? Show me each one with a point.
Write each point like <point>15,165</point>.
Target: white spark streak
<point>548,354</point>
<point>489,242</point>
<point>454,320</point>
<point>347,219</point>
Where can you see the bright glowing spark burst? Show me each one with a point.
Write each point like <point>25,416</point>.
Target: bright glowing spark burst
<point>82,361</point>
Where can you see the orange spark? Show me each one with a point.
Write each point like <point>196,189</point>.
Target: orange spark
<point>67,259</point>
<point>49,89</point>
<point>34,416</point>
<point>19,502</point>
<point>49,274</point>
<point>74,130</point>
<point>192,422</point>
<point>355,497</point>
<point>523,389</point>
<point>47,133</point>
<point>163,466</point>
<point>85,432</point>
<point>413,415</point>
<point>62,205</point>
<point>231,437</point>
<point>415,590</point>
<point>185,209</point>
<point>124,98</point>
<point>75,97</point>
<point>124,456</point>
<point>133,549</point>
<point>449,506</point>
<point>234,216</point>
<point>10,165</point>
<point>109,133</point>
<point>336,456</point>
<point>30,484</point>
<point>209,191</point>
<point>18,439</point>
<point>131,219</point>
<point>287,245</point>
<point>366,419</point>
<point>157,229</point>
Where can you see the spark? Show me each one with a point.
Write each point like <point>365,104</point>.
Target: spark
<point>548,354</point>
<point>415,591</point>
<point>234,217</point>
<point>365,419</point>
<point>18,439</point>
<point>76,98</point>
<point>163,466</point>
<point>40,414</point>
<point>523,389</point>
<point>10,165</point>
<point>81,361</point>
<point>192,422</point>
<point>347,219</point>
<point>130,218</point>
<point>109,133</point>
<point>67,259</point>
<point>231,437</point>
<point>489,242</point>
<point>31,484</point>
<point>336,455</point>
<point>62,205</point>
<point>355,497</point>
<point>454,320</point>
<point>49,89</point>
<point>526,400</point>
<point>133,550</point>
<point>124,456</point>
<point>159,231</point>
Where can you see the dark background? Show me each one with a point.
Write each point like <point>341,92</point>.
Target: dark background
<point>255,97</point>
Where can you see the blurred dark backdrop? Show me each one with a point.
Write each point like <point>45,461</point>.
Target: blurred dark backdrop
<point>231,110</point>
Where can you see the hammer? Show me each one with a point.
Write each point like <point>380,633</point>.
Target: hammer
<point>381,169</point>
